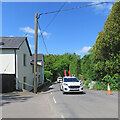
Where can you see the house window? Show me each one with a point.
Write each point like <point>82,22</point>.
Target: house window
<point>24,80</point>
<point>33,69</point>
<point>39,69</point>
<point>39,78</point>
<point>24,59</point>
<point>33,81</point>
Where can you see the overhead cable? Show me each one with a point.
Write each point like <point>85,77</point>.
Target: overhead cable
<point>54,16</point>
<point>73,8</point>
<point>43,38</point>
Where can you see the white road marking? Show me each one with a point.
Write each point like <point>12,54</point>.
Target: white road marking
<point>62,116</point>
<point>54,99</point>
<point>51,93</point>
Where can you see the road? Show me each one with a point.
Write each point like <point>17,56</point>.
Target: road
<point>51,103</point>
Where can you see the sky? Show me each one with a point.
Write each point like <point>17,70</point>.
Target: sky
<point>73,31</point>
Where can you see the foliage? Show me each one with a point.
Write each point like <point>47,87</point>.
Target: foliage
<point>87,67</point>
<point>113,81</point>
<point>80,77</point>
<point>57,64</point>
<point>87,81</point>
<point>106,48</point>
<point>100,86</point>
<point>48,75</point>
<point>102,64</point>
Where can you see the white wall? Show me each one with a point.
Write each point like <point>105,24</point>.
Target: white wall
<point>41,72</point>
<point>24,71</point>
<point>7,61</point>
<point>7,66</point>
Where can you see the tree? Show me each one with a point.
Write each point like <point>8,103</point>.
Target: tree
<point>106,48</point>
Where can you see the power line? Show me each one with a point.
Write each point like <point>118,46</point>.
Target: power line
<point>72,8</point>
<point>42,38</point>
<point>54,16</point>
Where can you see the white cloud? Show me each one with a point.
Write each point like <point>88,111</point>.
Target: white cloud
<point>27,30</point>
<point>83,51</point>
<point>45,33</point>
<point>31,46</point>
<point>11,36</point>
<point>102,8</point>
<point>32,31</point>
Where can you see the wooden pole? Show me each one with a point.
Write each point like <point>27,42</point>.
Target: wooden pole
<point>35,55</point>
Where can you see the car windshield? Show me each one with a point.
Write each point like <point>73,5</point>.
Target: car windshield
<point>71,80</point>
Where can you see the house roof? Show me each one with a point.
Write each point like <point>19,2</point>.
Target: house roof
<point>39,57</point>
<point>13,42</point>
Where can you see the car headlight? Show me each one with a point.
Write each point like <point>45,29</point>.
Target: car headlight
<point>65,84</point>
<point>81,84</point>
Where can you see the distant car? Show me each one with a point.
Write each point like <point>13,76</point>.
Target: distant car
<point>59,79</point>
<point>71,84</point>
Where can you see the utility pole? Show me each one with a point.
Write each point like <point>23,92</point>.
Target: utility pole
<point>35,54</point>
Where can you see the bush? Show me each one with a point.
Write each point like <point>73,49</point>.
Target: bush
<point>100,86</point>
<point>87,82</point>
<point>113,81</point>
<point>48,75</point>
<point>80,77</point>
<point>107,79</point>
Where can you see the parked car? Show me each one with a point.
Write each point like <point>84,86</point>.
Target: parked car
<point>59,79</point>
<point>71,84</point>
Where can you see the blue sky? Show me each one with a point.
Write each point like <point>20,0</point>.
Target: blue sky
<point>71,31</point>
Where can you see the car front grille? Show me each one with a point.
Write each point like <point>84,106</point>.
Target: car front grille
<point>74,90</point>
<point>74,86</point>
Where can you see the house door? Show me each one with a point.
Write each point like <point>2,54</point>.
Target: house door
<point>8,83</point>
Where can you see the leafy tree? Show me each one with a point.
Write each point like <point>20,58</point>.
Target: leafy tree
<point>58,63</point>
<point>106,48</point>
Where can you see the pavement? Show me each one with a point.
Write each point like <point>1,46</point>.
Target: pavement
<point>52,103</point>
<point>26,105</point>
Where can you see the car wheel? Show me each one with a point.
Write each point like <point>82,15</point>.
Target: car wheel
<point>63,92</point>
<point>61,89</point>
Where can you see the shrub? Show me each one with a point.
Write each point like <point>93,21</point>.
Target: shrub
<point>48,75</point>
<point>100,86</point>
<point>107,79</point>
<point>115,82</point>
<point>80,77</point>
<point>87,82</point>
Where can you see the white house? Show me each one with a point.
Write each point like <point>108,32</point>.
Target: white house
<point>16,66</point>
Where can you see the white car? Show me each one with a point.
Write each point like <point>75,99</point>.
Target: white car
<point>59,79</point>
<point>71,84</point>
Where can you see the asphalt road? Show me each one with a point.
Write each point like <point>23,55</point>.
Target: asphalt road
<point>52,103</point>
<point>92,104</point>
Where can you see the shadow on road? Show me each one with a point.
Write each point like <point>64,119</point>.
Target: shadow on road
<point>75,93</point>
<point>13,97</point>
<point>48,88</point>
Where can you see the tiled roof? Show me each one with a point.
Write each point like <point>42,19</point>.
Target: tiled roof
<point>39,57</point>
<point>13,43</point>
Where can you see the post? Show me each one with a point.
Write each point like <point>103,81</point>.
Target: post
<point>35,54</point>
